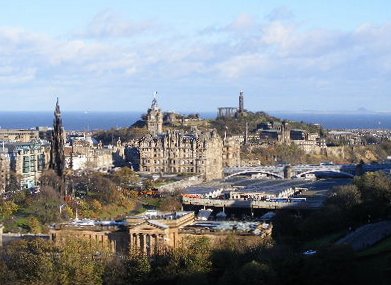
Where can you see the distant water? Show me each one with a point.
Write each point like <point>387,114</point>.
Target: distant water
<point>71,120</point>
<point>108,120</point>
<point>342,121</point>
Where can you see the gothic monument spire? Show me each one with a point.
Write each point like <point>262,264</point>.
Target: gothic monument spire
<point>57,158</point>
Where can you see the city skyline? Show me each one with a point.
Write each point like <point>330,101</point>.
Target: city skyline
<point>102,56</point>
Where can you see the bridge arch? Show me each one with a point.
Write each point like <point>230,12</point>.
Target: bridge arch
<point>254,171</point>
<point>323,170</point>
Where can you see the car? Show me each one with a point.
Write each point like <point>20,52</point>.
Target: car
<point>310,252</point>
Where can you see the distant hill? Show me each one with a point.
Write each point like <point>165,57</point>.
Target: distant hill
<point>237,125</point>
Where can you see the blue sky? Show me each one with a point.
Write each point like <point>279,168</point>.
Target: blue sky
<point>112,55</point>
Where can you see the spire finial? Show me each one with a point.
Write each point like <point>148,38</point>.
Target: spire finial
<point>154,101</point>
<point>57,111</point>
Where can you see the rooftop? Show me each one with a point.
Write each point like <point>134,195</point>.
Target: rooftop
<point>157,215</point>
<point>253,228</point>
<point>90,224</point>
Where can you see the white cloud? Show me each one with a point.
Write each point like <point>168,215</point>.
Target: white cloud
<point>108,24</point>
<point>15,76</point>
<point>281,13</point>
<point>243,22</point>
<point>243,52</point>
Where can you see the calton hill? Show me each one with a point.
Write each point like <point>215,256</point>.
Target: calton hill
<point>257,151</point>
<point>304,247</point>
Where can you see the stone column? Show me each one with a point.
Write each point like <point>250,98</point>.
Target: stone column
<point>144,244</point>
<point>140,243</point>
<point>155,244</point>
<point>130,242</point>
<point>148,244</point>
<point>151,245</point>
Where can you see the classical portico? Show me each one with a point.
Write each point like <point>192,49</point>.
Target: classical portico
<point>156,231</point>
<point>148,238</point>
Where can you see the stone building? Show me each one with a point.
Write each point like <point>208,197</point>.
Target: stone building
<point>230,112</point>
<point>231,152</point>
<point>27,160</point>
<point>155,118</point>
<point>148,232</point>
<point>83,154</point>
<point>4,169</point>
<point>281,132</point>
<point>110,235</point>
<point>196,152</point>
<point>202,153</point>
<point>153,232</point>
<point>18,135</point>
<point>274,131</point>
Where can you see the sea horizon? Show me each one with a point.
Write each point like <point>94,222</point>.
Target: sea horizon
<point>95,120</point>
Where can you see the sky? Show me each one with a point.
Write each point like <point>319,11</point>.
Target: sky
<point>96,55</point>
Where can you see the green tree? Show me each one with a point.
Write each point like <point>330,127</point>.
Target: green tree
<point>170,204</point>
<point>193,257</point>
<point>375,189</point>
<point>51,179</point>
<point>7,209</point>
<point>34,225</point>
<point>133,269</point>
<point>125,177</point>
<point>31,261</point>
<point>255,273</point>
<point>13,182</point>
<point>345,197</point>
<point>45,206</point>
<point>80,262</point>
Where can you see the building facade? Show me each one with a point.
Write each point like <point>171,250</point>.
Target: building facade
<point>198,153</point>
<point>109,236</point>
<point>83,154</point>
<point>154,232</point>
<point>27,161</point>
<point>4,169</point>
<point>18,135</point>
<point>231,152</point>
<point>177,151</point>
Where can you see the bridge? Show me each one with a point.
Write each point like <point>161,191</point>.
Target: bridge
<point>297,171</point>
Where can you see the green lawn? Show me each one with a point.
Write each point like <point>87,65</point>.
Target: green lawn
<point>382,246</point>
<point>325,240</point>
